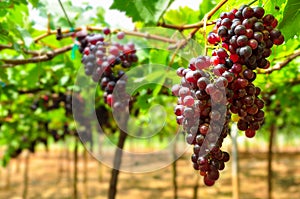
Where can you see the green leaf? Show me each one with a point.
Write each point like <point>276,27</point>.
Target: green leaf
<point>25,36</point>
<point>159,57</point>
<point>205,6</point>
<point>184,15</point>
<point>64,80</point>
<point>100,16</point>
<point>142,10</point>
<point>33,76</point>
<point>143,101</point>
<point>34,2</point>
<point>3,75</point>
<point>5,160</point>
<point>291,15</point>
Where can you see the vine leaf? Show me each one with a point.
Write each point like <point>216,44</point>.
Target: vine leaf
<point>291,17</point>
<point>184,15</point>
<point>3,74</point>
<point>142,10</point>
<point>205,6</point>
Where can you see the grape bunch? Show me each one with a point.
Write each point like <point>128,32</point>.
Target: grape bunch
<point>213,88</point>
<point>106,62</point>
<point>248,35</point>
<point>203,112</point>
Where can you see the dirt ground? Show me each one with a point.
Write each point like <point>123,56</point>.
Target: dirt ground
<point>51,176</point>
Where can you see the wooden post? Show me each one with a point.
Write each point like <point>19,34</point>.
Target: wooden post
<point>7,186</point>
<point>68,165</point>
<point>235,166</point>
<point>85,174</point>
<point>272,131</point>
<point>75,174</point>
<point>26,176</point>
<point>61,163</point>
<point>174,169</point>
<point>18,163</point>
<point>118,157</point>
<point>196,187</point>
<point>117,164</point>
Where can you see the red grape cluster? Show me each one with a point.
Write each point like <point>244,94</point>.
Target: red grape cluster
<point>248,35</point>
<point>106,62</point>
<point>213,88</point>
<point>203,112</point>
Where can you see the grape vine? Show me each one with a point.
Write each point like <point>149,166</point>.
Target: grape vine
<point>213,88</point>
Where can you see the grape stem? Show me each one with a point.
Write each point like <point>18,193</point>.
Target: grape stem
<point>282,64</point>
<point>252,2</point>
<point>184,27</point>
<point>137,34</point>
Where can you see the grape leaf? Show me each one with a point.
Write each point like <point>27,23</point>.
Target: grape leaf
<point>3,74</point>
<point>205,6</point>
<point>184,15</point>
<point>33,75</point>
<point>34,2</point>
<point>291,15</point>
<point>142,10</point>
<point>25,36</point>
<point>159,56</point>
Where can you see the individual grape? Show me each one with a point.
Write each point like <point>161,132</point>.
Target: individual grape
<point>237,68</point>
<point>114,50</point>
<point>258,36</point>
<point>258,12</point>
<point>229,76</point>
<point>242,40</point>
<point>202,83</point>
<point>106,31</point>
<point>249,33</point>
<point>268,19</point>
<point>253,43</point>
<point>213,38</point>
<point>120,35</point>
<point>219,69</point>
<point>247,12</point>
<point>222,31</point>
<point>213,173</point>
<point>250,133</point>
<point>242,125</point>
<point>188,101</point>
<point>245,51</point>
<point>208,182</point>
<point>248,23</point>
<point>258,26</point>
<point>248,74</point>
<point>240,30</point>
<point>189,76</point>
<point>184,91</point>
<point>175,89</point>
<point>109,99</point>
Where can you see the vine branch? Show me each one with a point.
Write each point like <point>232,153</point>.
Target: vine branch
<point>44,57</point>
<point>135,33</point>
<point>184,27</point>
